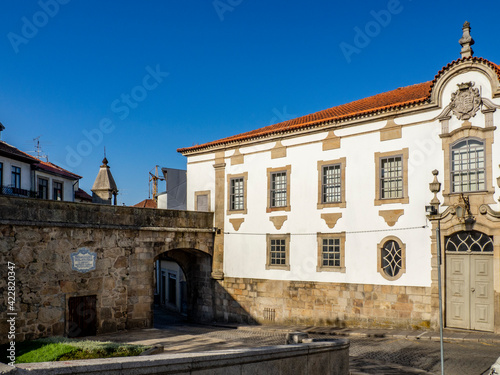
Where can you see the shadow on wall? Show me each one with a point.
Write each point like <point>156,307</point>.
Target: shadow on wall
<point>207,301</point>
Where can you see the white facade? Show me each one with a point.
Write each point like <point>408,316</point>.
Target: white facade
<point>69,186</point>
<point>462,104</point>
<point>7,165</point>
<point>24,175</point>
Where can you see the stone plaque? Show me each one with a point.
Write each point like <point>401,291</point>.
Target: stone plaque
<point>83,260</point>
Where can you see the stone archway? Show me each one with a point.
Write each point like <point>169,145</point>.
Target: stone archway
<point>117,283</point>
<point>196,267</point>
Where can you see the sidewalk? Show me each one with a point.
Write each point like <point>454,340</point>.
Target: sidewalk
<point>182,337</point>
<point>449,335</point>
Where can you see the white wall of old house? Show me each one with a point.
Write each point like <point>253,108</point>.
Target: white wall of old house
<point>245,249</point>
<point>69,186</point>
<point>200,177</point>
<point>7,172</point>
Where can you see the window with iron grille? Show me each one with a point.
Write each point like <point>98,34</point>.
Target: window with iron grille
<point>391,177</point>
<point>16,177</point>
<point>391,258</point>
<point>468,171</point>
<point>236,194</point>
<point>43,188</point>
<point>471,241</point>
<point>278,251</point>
<point>278,192</point>
<point>331,184</point>
<point>57,191</point>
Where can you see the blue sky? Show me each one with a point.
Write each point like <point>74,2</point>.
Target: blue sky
<point>143,78</point>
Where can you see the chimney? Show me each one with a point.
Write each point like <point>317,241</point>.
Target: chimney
<point>466,41</point>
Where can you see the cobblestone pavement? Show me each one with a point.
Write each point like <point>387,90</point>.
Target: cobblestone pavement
<point>368,355</point>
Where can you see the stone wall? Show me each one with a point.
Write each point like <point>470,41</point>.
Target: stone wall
<point>315,303</point>
<point>39,236</point>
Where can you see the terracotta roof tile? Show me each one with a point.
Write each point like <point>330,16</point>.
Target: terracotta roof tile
<point>388,100</point>
<point>443,70</point>
<point>52,168</point>
<point>399,98</point>
<point>15,153</point>
<point>146,203</point>
<point>83,195</point>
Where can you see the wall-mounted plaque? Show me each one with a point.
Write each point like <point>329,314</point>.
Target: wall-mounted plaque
<point>83,260</point>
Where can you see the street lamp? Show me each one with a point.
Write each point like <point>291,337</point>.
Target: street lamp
<point>433,210</point>
<point>464,213</point>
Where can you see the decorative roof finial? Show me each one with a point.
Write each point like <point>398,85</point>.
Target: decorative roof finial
<point>466,41</point>
<point>104,161</point>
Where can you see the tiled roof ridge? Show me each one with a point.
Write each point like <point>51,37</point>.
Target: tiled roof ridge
<point>410,95</point>
<point>23,154</point>
<point>310,120</point>
<point>448,66</point>
<point>58,168</point>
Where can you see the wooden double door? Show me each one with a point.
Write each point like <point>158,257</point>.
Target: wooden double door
<point>469,282</point>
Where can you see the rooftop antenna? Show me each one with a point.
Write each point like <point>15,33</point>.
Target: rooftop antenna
<point>38,149</point>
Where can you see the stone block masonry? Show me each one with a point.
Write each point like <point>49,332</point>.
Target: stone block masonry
<point>39,236</point>
<point>328,304</point>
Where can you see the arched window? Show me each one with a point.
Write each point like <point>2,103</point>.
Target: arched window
<point>468,172</point>
<point>391,258</point>
<point>471,241</point>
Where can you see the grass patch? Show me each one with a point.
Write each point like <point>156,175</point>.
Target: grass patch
<point>64,349</point>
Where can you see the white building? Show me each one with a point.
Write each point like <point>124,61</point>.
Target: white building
<point>26,176</point>
<point>322,218</point>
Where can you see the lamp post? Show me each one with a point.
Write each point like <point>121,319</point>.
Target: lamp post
<point>433,210</point>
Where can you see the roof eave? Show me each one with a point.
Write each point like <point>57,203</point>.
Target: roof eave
<point>379,114</point>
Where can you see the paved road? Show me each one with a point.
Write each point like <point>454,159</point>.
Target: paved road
<point>460,358</point>
<point>367,355</point>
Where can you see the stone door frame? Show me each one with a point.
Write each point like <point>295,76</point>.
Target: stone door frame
<point>487,221</point>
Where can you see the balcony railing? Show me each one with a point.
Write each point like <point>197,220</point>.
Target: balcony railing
<point>18,192</point>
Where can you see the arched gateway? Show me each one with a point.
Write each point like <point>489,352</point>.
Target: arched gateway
<point>89,268</point>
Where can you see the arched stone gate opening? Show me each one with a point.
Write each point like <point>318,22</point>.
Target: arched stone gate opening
<point>196,267</point>
<point>84,269</point>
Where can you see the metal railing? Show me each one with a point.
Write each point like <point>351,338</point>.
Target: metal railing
<point>18,192</point>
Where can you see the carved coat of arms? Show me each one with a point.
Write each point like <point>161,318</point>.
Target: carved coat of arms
<point>465,102</point>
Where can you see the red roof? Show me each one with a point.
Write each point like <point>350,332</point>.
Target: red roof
<point>82,195</point>
<point>146,203</point>
<point>55,169</point>
<point>395,99</point>
<point>14,153</point>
